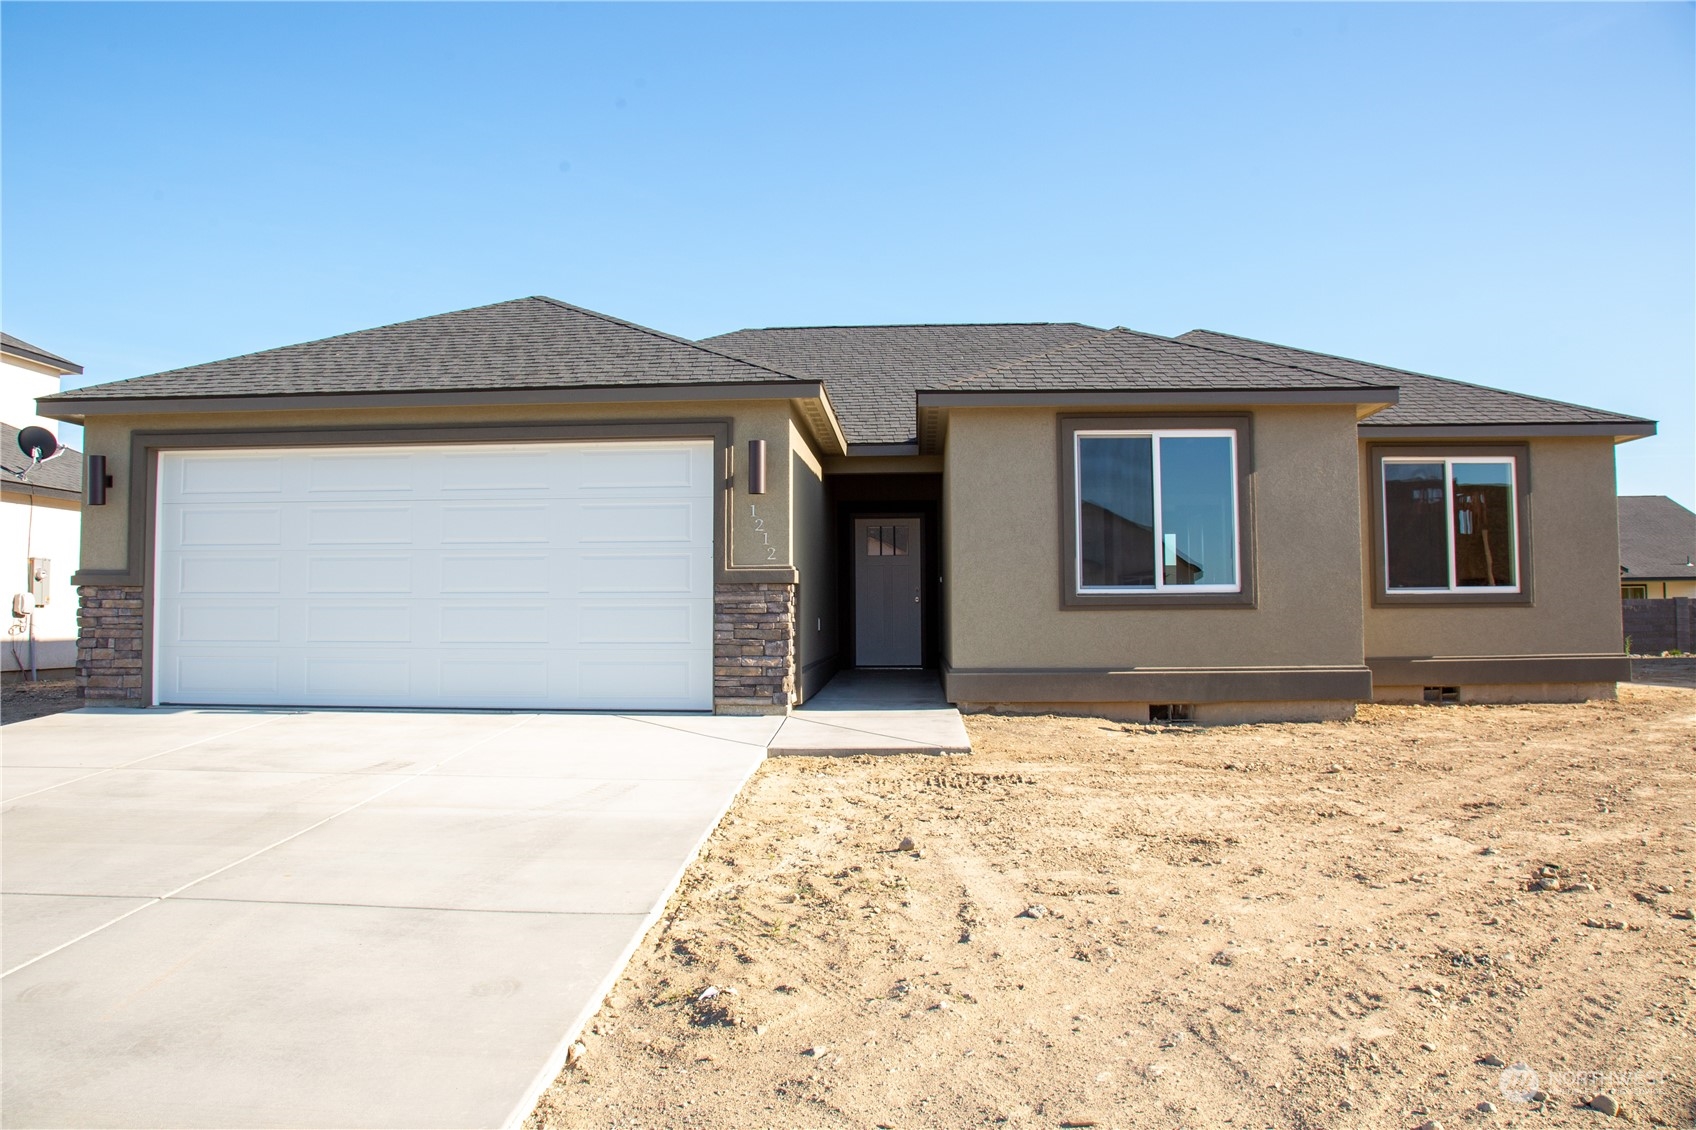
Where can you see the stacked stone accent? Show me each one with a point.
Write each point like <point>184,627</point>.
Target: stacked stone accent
<point>109,644</point>
<point>754,669</point>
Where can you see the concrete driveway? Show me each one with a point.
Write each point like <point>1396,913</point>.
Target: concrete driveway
<point>267,918</point>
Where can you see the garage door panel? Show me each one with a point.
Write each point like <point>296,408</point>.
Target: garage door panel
<point>357,678</point>
<point>495,523</point>
<point>357,524</point>
<point>345,623</point>
<point>513,576</point>
<point>219,574</point>
<point>364,473</point>
<point>666,468</point>
<point>504,474</point>
<point>496,625</point>
<point>632,625</point>
<point>227,677</point>
<point>202,623</point>
<point>234,476</point>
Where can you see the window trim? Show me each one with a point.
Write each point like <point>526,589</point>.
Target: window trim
<point>1517,455</point>
<point>1239,428</point>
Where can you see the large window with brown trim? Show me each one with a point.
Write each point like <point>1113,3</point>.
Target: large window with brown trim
<point>1157,510</point>
<point>1450,524</point>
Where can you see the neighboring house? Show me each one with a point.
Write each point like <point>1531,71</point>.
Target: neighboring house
<point>40,511</point>
<point>1657,538</point>
<point>533,505</point>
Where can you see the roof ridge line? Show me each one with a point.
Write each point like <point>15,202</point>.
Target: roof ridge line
<point>899,326</point>
<point>1417,373</point>
<point>662,335</point>
<point>1356,381</point>
<point>1067,347</point>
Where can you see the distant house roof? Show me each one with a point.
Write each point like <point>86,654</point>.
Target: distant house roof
<point>1428,401</point>
<point>1657,538</point>
<point>873,372</point>
<point>18,347</point>
<point>528,343</point>
<point>61,475</point>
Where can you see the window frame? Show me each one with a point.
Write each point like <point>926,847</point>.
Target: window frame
<point>1238,427</point>
<point>1517,457</point>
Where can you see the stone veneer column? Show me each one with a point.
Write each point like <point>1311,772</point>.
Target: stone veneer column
<point>109,644</point>
<point>753,648</point>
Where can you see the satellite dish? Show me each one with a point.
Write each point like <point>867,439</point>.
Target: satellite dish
<point>37,443</point>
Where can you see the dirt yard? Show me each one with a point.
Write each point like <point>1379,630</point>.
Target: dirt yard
<point>1328,925</point>
<point>20,702</point>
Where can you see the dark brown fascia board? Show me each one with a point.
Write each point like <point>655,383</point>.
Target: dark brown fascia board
<point>1108,398</point>
<point>68,407</point>
<point>1442,670</point>
<point>45,360</point>
<point>1623,432</point>
<point>1159,684</point>
<point>867,450</point>
<point>9,486</point>
<point>1627,577</point>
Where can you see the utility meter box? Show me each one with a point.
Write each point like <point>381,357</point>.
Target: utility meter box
<point>40,580</point>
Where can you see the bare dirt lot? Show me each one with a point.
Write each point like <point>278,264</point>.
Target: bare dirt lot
<point>20,701</point>
<point>1327,925</point>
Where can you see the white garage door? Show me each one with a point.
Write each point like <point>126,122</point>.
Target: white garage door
<point>556,575</point>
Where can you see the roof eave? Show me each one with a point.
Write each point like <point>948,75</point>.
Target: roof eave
<point>12,486</point>
<point>42,359</point>
<point>70,408</point>
<point>1622,431</point>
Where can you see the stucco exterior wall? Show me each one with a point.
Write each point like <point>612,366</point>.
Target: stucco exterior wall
<point>1574,564</point>
<point>816,628</point>
<point>1002,501</point>
<point>106,529</point>
<point>48,529</point>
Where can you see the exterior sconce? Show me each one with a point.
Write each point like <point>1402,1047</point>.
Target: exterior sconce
<point>98,480</point>
<point>756,466</point>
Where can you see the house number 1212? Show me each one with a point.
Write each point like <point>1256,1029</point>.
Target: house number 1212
<point>765,536</point>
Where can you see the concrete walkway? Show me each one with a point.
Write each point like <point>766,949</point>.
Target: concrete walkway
<point>875,712</point>
<point>269,918</point>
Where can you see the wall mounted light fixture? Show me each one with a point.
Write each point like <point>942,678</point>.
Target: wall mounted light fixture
<point>756,466</point>
<point>98,480</point>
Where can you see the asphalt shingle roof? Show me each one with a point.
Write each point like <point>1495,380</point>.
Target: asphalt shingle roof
<point>1121,360</point>
<point>62,472</point>
<point>1657,538</point>
<point>35,353</point>
<point>1425,400</point>
<point>528,343</point>
<point>872,372</point>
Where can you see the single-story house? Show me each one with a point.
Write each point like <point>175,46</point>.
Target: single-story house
<point>40,520</point>
<point>532,505</point>
<point>1657,548</point>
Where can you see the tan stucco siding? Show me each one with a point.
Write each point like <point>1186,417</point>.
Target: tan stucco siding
<point>815,628</point>
<point>1574,570</point>
<point>105,541</point>
<point>1002,502</point>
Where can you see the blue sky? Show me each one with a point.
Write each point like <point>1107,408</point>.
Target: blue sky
<point>1497,193</point>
